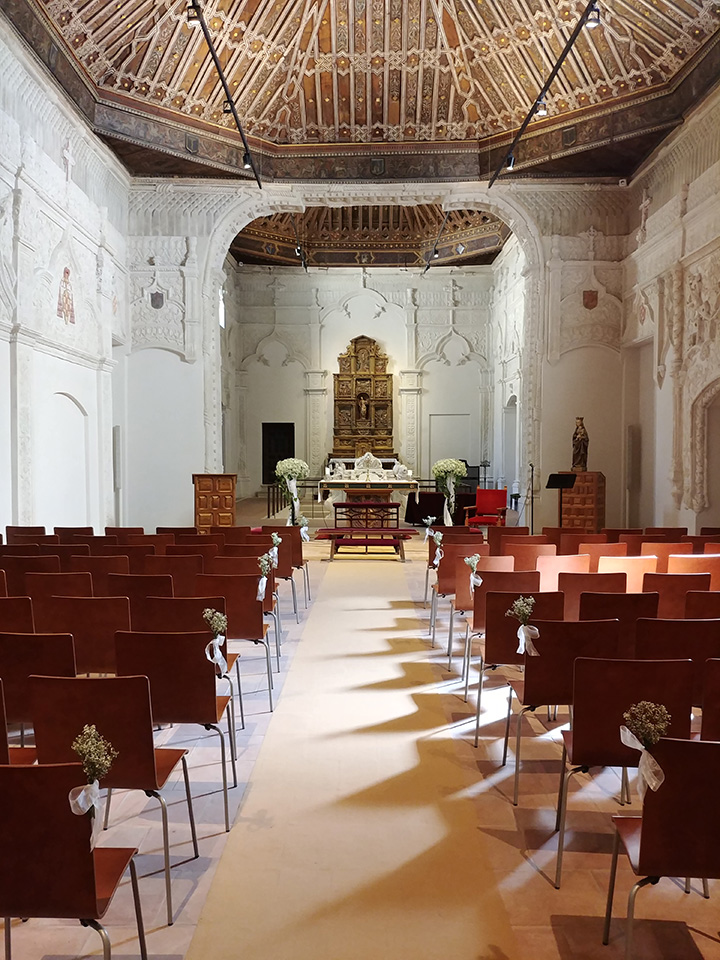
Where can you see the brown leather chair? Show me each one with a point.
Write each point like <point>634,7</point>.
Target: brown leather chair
<point>120,709</point>
<point>16,615</point>
<point>184,693</point>
<point>548,677</point>
<point>573,585</point>
<point>501,642</point>
<point>678,834</point>
<point>672,590</point>
<point>92,621</point>
<point>625,607</point>
<point>48,867</point>
<point>603,691</point>
<point>667,639</point>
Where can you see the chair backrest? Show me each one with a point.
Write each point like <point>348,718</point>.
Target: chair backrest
<point>135,553</point>
<point>158,540</point>
<point>553,534</point>
<point>238,534</point>
<point>596,550</point>
<point>573,585</point>
<point>47,867</point>
<point>119,707</point>
<point>183,539</point>
<point>182,679</point>
<point>205,550</point>
<point>182,569</point>
<point>527,554</point>
<point>94,540</point>
<point>159,614</point>
<point>698,640</point>
<point>710,729</point>
<point>137,586</point>
<point>58,585</point>
<point>625,607</point>
<point>447,568</point>
<point>495,537</point>
<point>244,611</point>
<point>572,542</point>
<point>520,582</point>
<point>29,531</point>
<point>463,591</point>
<point>92,621</point>
<point>16,615</point>
<point>66,534</point>
<point>294,534</point>
<point>605,689</point>
<point>699,543</point>
<point>122,533</point>
<point>513,541</point>
<point>692,563</point>
<point>670,533</point>
<point>65,553</point>
<point>263,542</point>
<point>501,640</point>
<point>16,567</point>
<point>635,542</point>
<point>613,533</point>
<point>20,550</point>
<point>634,567</point>
<point>22,654</point>
<point>99,568</point>
<point>702,605</point>
<point>662,551</point>
<point>549,677</point>
<point>673,589</point>
<point>680,835</point>
<point>550,567</point>
<point>176,530</point>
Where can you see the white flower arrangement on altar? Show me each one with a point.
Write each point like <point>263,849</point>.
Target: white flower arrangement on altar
<point>288,472</point>
<point>446,473</point>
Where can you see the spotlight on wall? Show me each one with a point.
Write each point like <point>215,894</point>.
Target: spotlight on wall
<point>593,17</point>
<point>246,162</point>
<point>510,162</point>
<point>541,108</point>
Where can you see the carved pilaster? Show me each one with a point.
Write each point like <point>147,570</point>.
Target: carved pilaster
<point>316,419</point>
<point>212,381</point>
<point>410,436</point>
<point>21,427</point>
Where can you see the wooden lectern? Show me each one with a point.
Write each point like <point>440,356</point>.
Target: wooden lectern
<point>214,500</point>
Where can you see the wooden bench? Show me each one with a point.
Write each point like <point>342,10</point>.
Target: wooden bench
<point>365,537</point>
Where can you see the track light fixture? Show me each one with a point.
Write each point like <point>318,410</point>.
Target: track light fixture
<point>593,17</point>
<point>247,163</point>
<point>193,13</point>
<point>435,254</point>
<point>590,17</point>
<point>227,106</point>
<point>298,251</point>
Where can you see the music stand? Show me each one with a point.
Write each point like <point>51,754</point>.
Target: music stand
<point>560,482</point>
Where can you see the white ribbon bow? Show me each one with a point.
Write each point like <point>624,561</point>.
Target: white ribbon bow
<point>82,799</point>
<point>526,634</point>
<point>475,581</point>
<point>650,773</point>
<point>429,532</point>
<point>262,583</point>
<point>304,533</point>
<point>273,554</point>
<point>438,556</point>
<point>449,499</point>
<point>214,654</point>
<point>292,487</point>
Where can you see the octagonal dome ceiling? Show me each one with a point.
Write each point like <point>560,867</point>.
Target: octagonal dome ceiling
<point>377,89</point>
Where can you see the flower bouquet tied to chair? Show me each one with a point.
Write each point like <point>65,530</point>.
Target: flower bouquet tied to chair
<point>446,473</point>
<point>288,472</point>
<point>96,755</point>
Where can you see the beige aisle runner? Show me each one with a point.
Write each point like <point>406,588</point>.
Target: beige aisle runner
<point>357,839</point>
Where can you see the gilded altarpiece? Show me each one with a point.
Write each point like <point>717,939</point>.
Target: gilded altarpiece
<point>363,411</point>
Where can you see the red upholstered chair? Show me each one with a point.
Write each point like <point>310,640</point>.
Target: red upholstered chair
<point>548,678</point>
<point>673,588</point>
<point>48,867</point>
<point>120,709</point>
<point>489,510</point>
<point>603,691</point>
<point>678,834</point>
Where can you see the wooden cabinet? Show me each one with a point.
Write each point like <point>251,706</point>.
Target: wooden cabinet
<point>583,506</point>
<point>214,500</point>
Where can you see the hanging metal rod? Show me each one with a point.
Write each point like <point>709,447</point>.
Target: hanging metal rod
<point>591,8</point>
<point>195,15</point>
<point>434,252</point>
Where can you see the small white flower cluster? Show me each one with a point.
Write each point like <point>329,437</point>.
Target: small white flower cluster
<point>522,609</point>
<point>441,468</point>
<point>265,563</point>
<point>472,561</point>
<point>276,539</point>
<point>216,621</point>
<point>438,537</point>
<point>302,521</point>
<point>429,521</point>
<point>292,468</point>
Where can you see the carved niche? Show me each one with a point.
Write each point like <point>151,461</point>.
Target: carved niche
<point>363,411</point>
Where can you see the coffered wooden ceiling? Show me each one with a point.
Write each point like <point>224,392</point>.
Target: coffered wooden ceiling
<point>378,90</point>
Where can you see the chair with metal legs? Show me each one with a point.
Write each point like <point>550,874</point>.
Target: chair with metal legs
<point>48,867</point>
<point>120,709</point>
<point>678,834</point>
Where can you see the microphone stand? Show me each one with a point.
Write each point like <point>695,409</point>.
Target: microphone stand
<point>532,498</point>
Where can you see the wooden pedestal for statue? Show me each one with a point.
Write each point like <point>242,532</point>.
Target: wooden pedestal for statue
<point>582,508</point>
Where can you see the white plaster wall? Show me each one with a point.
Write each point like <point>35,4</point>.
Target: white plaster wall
<point>640,450</point>
<point>5,444</point>
<point>165,438</point>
